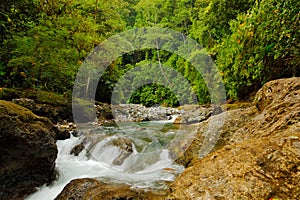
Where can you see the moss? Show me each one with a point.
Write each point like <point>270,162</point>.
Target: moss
<point>11,109</point>
<point>9,93</point>
<point>45,97</point>
<point>50,98</point>
<point>42,97</point>
<point>23,118</point>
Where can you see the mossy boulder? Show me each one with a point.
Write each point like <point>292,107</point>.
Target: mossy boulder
<point>47,104</point>
<point>41,97</point>
<point>9,93</point>
<point>27,151</point>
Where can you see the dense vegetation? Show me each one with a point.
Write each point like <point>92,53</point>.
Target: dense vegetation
<point>43,43</point>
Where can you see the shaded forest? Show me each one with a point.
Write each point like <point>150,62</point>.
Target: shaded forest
<point>44,43</point>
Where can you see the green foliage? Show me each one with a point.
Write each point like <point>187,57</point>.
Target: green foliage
<point>43,43</point>
<point>154,94</point>
<point>211,19</point>
<point>47,55</point>
<point>264,45</point>
<point>14,17</point>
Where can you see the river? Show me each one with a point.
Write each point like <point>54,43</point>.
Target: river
<point>148,166</point>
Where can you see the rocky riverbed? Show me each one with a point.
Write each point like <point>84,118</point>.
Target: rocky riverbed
<point>256,155</point>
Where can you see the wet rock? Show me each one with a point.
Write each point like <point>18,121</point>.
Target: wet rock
<point>27,151</point>
<point>76,150</point>
<point>104,114</point>
<point>75,133</point>
<point>125,145</point>
<point>61,134</point>
<point>84,189</point>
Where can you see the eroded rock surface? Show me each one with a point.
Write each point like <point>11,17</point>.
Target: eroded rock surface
<point>254,169</point>
<point>257,155</point>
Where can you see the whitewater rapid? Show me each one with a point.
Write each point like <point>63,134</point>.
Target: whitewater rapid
<point>144,169</point>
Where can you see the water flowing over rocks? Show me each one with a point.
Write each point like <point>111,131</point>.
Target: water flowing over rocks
<point>27,151</point>
<point>126,148</point>
<point>90,142</point>
<point>257,155</point>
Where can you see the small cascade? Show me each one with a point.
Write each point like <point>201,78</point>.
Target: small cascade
<point>139,158</point>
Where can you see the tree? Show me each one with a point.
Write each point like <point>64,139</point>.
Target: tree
<point>264,45</point>
<point>49,53</point>
<point>211,20</point>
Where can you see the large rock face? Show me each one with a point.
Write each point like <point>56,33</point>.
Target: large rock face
<point>254,169</point>
<point>84,189</point>
<point>27,151</point>
<point>257,155</point>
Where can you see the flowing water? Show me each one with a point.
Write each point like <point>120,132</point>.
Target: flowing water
<point>147,165</point>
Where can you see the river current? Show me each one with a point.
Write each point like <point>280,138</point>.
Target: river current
<point>149,165</point>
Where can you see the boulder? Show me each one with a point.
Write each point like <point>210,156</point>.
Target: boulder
<point>235,120</point>
<point>47,104</point>
<point>257,155</point>
<point>61,134</point>
<point>56,113</point>
<point>27,151</point>
<point>252,120</point>
<point>254,169</point>
<point>281,90</point>
<point>87,188</point>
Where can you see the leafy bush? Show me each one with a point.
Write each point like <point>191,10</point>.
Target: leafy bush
<point>264,45</point>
